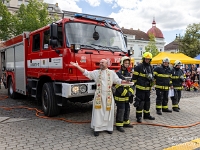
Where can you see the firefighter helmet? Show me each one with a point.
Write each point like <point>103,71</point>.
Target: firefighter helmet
<point>147,55</point>
<point>166,59</point>
<point>177,62</point>
<point>123,59</point>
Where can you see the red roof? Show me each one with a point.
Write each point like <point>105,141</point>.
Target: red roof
<point>155,31</point>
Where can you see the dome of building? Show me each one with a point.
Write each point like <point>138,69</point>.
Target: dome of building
<point>155,31</point>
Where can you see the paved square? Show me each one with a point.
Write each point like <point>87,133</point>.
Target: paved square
<point>21,129</point>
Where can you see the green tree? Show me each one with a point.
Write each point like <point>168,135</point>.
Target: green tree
<point>6,28</point>
<point>151,47</point>
<point>189,44</point>
<point>31,17</point>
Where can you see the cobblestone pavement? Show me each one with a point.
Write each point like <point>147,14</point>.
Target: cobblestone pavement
<point>21,129</point>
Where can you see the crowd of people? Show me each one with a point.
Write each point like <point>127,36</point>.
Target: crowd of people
<point>192,77</point>
<point>143,77</point>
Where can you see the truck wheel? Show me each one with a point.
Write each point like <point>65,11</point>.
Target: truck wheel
<point>49,103</point>
<point>11,92</point>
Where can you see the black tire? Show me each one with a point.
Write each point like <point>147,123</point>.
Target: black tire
<point>49,104</point>
<point>11,92</point>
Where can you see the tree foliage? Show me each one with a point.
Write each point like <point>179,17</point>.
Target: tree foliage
<point>189,44</point>
<point>151,47</point>
<point>28,18</point>
<point>6,23</point>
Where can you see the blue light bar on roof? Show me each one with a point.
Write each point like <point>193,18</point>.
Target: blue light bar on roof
<point>94,18</point>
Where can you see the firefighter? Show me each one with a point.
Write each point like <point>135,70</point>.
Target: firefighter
<point>123,96</point>
<point>143,78</point>
<point>177,81</point>
<point>162,76</point>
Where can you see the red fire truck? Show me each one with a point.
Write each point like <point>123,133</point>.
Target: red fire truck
<point>37,63</point>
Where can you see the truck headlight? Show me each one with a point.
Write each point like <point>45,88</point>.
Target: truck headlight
<point>75,89</point>
<point>83,88</point>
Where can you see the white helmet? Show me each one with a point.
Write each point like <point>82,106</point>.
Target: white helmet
<point>177,62</point>
<point>123,59</point>
<point>166,59</point>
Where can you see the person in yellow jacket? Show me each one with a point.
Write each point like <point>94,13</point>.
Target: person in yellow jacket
<point>143,78</point>
<point>123,96</point>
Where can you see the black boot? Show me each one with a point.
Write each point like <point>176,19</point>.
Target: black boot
<point>109,132</point>
<point>96,133</point>
<point>128,126</point>
<point>176,109</point>
<point>139,119</point>
<point>149,117</point>
<point>166,110</point>
<point>159,112</point>
<point>120,129</point>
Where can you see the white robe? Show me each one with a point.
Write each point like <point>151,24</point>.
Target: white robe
<point>102,119</point>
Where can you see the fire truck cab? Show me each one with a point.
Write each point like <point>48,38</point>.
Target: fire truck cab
<point>37,63</point>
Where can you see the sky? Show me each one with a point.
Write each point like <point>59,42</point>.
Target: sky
<point>172,16</point>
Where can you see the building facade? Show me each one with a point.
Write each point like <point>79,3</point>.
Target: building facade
<point>137,40</point>
<point>172,47</point>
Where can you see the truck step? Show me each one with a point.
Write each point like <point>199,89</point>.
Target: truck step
<point>59,94</point>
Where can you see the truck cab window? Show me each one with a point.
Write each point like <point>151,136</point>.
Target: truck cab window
<point>36,42</point>
<point>46,37</point>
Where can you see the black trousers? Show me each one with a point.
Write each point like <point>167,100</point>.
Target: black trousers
<point>176,98</point>
<point>161,99</point>
<point>123,113</point>
<point>144,103</point>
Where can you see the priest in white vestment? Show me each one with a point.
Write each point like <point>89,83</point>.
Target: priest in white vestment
<point>103,103</point>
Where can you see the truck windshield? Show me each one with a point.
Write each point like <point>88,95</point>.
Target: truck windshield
<point>109,39</point>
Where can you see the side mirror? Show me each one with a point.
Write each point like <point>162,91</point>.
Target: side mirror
<point>53,35</point>
<point>129,52</point>
<point>125,39</point>
<point>53,31</point>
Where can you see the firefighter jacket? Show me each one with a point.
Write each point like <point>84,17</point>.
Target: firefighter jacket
<point>177,78</point>
<point>123,93</point>
<point>163,78</point>
<point>143,76</point>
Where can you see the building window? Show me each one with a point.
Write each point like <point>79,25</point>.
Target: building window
<point>6,2</point>
<point>20,2</point>
<point>46,37</point>
<point>160,50</point>
<point>50,8</point>
<point>131,48</point>
<point>141,53</point>
<point>26,2</point>
<point>36,42</point>
<point>141,48</point>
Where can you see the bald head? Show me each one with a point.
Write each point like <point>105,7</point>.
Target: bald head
<point>103,64</point>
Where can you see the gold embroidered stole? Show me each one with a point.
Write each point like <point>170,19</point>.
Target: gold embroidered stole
<point>98,94</point>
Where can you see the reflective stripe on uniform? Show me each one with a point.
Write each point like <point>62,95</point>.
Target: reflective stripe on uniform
<point>175,77</point>
<point>162,87</point>
<point>142,75</point>
<point>158,106</point>
<point>124,92</point>
<point>117,86</point>
<point>134,81</point>
<point>119,124</point>
<point>139,111</point>
<point>131,90</point>
<point>178,88</point>
<point>164,107</point>
<point>164,75</point>
<point>136,73</point>
<point>176,106</point>
<point>121,98</point>
<point>155,73</point>
<point>145,111</point>
<point>127,122</point>
<point>142,87</point>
